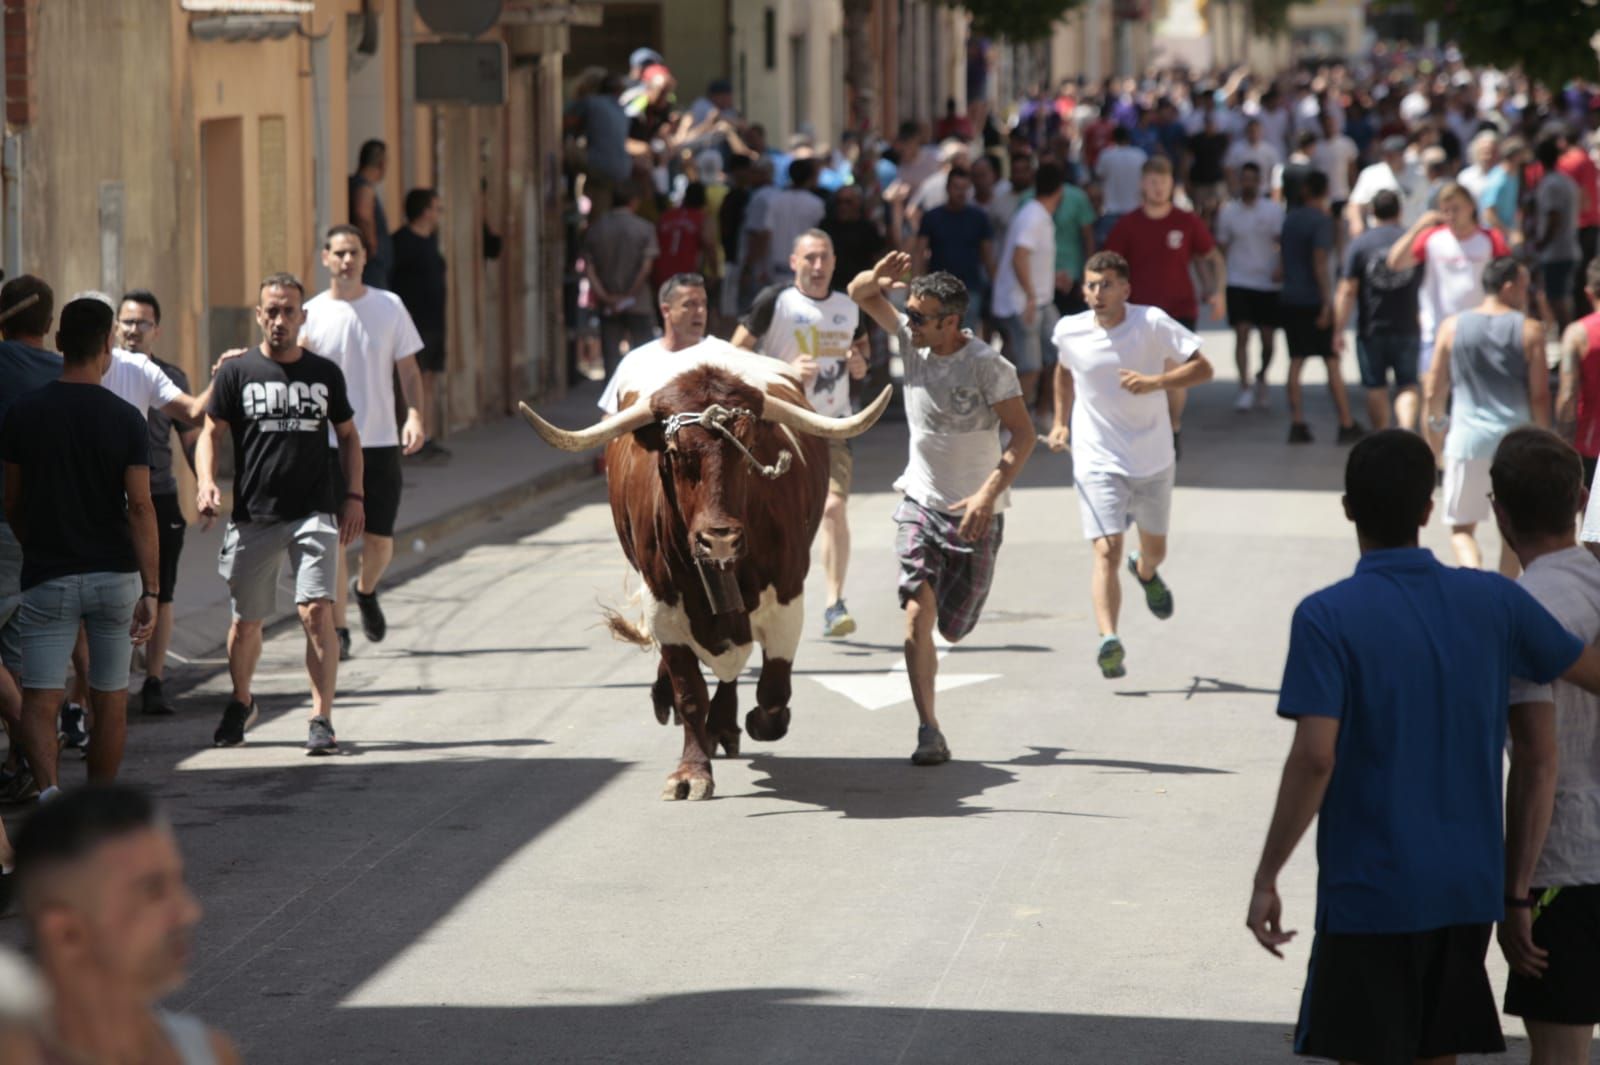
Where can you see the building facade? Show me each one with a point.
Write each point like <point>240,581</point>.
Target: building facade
<point>214,144</point>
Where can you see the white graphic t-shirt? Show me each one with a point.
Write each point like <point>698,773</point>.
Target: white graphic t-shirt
<point>790,324</point>
<point>1113,430</point>
<point>955,432</point>
<point>365,337</point>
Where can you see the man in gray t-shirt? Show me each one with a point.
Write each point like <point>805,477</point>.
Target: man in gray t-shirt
<point>138,328</point>
<point>958,394</point>
<point>1555,229</point>
<point>620,251</point>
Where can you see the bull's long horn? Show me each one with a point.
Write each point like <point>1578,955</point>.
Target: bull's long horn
<point>596,435</point>
<point>807,421</point>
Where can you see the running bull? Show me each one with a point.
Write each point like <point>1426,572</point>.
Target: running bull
<point>718,471</point>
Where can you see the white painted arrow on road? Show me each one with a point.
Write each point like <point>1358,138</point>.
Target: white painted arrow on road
<point>878,691</point>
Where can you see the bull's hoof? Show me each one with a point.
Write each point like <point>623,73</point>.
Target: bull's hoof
<point>765,725</point>
<point>693,789</point>
<point>729,742</point>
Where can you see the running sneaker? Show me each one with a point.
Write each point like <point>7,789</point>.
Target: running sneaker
<point>50,794</point>
<point>1157,596</point>
<point>1109,657</point>
<point>931,748</point>
<point>17,786</point>
<point>836,620</point>
<point>73,727</point>
<point>373,624</point>
<point>1262,393</point>
<point>320,739</point>
<point>1244,402</point>
<point>152,701</point>
<point>1299,433</point>
<point>1349,434</point>
<point>344,644</point>
<point>236,719</point>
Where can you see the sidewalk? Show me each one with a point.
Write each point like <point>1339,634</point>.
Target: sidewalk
<point>494,468</point>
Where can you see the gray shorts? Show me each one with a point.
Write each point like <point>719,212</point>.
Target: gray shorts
<point>10,598</point>
<point>253,550</point>
<point>1109,502</point>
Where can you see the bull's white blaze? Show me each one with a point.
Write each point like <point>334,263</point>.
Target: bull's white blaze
<point>775,626</point>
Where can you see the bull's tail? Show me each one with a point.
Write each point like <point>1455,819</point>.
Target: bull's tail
<point>625,630</point>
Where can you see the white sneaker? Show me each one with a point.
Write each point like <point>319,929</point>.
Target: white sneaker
<point>1261,394</point>
<point>1243,404</point>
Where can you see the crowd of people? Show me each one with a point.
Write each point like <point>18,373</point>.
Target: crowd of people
<point>1038,283</point>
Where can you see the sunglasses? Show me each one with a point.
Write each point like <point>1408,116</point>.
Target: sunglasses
<point>917,318</point>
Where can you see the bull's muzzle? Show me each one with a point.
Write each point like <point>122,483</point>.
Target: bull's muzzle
<point>719,546</point>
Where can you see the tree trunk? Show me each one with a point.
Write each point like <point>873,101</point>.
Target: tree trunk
<point>860,72</point>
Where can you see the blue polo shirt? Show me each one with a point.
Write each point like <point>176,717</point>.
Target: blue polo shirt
<point>1415,660</point>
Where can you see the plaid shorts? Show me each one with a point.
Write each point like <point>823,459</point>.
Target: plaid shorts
<point>959,573</point>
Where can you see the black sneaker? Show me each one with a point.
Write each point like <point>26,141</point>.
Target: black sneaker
<point>73,727</point>
<point>152,701</point>
<point>1349,434</point>
<point>931,747</point>
<point>17,786</point>
<point>344,643</point>
<point>235,720</point>
<point>320,739</point>
<point>373,624</point>
<point>1299,433</point>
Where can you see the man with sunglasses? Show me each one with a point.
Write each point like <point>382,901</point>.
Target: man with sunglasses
<point>958,394</point>
<point>138,329</point>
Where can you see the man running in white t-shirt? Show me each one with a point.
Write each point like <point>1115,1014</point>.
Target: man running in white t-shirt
<point>1117,361</point>
<point>370,335</point>
<point>684,313</point>
<point>821,334</point>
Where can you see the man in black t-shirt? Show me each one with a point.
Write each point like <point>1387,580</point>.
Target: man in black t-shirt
<point>418,278</point>
<point>277,403</point>
<point>1388,333</point>
<point>77,494</point>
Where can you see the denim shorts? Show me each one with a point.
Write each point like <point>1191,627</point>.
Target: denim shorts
<point>1382,352</point>
<point>48,624</point>
<point>1030,348</point>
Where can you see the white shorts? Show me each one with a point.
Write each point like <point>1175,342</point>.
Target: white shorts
<point>1109,502</point>
<point>1466,491</point>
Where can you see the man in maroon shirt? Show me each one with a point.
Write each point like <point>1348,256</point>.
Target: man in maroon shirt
<point>1576,164</point>
<point>1160,241</point>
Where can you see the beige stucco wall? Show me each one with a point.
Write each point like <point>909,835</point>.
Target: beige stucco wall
<point>110,120</point>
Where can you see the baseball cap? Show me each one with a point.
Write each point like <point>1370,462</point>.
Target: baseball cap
<point>643,57</point>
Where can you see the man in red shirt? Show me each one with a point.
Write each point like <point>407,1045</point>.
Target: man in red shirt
<point>684,234</point>
<point>1576,164</point>
<point>1160,241</point>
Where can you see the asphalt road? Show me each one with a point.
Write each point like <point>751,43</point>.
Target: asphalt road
<point>487,873</point>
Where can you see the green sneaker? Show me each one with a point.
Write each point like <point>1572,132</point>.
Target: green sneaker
<point>1110,656</point>
<point>1157,596</point>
